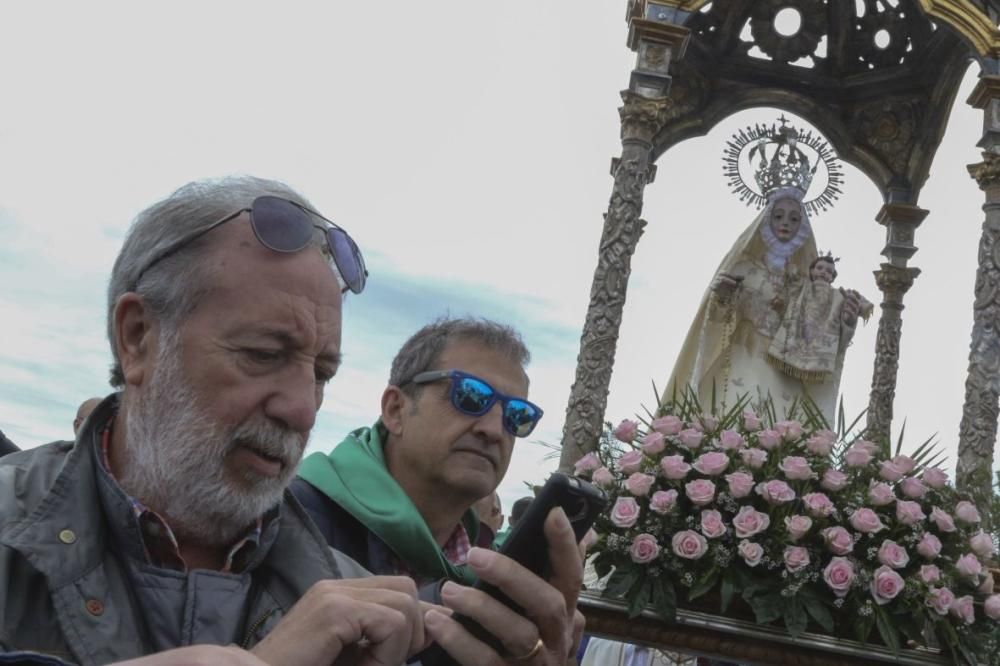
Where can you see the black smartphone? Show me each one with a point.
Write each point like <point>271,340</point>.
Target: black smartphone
<point>580,500</point>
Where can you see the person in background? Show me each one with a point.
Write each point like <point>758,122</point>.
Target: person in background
<point>490,513</point>
<point>516,511</point>
<point>86,407</point>
<point>6,446</point>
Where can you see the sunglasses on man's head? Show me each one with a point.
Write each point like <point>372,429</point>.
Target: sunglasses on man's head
<point>282,225</point>
<point>474,397</point>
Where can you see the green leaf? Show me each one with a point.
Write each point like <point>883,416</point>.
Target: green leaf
<point>704,585</point>
<point>795,617</point>
<point>729,586</point>
<point>885,629</point>
<point>620,582</point>
<point>766,607</point>
<point>863,627</point>
<point>909,624</point>
<point>602,564</point>
<point>819,612</point>
<point>641,598</point>
<point>665,598</point>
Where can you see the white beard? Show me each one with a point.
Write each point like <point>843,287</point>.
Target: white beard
<point>175,458</point>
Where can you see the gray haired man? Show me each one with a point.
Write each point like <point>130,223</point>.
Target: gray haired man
<point>166,524</point>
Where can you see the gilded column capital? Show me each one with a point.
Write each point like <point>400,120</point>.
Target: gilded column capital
<point>987,173</point>
<point>642,117</point>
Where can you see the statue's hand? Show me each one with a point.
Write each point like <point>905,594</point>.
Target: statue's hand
<point>725,286</point>
<point>852,306</point>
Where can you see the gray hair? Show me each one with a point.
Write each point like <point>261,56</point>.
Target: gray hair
<point>424,348</point>
<point>173,286</point>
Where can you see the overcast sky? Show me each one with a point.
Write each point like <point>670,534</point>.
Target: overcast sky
<point>465,145</point>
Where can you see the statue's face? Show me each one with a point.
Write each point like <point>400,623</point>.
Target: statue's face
<point>824,271</point>
<point>786,217</point>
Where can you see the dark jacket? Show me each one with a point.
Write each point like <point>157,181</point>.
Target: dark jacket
<point>64,590</point>
<point>6,446</point>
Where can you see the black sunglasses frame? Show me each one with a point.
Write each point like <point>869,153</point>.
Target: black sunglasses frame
<point>357,285</point>
<point>456,375</point>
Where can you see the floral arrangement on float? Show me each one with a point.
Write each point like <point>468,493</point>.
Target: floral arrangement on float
<point>803,526</point>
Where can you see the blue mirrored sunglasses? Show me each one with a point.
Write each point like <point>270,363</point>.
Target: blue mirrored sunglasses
<point>474,397</point>
<point>282,225</point>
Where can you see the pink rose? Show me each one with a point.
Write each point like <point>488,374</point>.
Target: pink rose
<point>962,608</point>
<point>905,463</point>
<point>625,512</point>
<point>867,521</point>
<point>821,443</point>
<point>796,558</point>
<point>707,423</point>
<point>969,566</point>
<point>730,440</point>
<point>929,573</point>
<point>749,522</point>
<point>880,494</point>
<point>886,585</point>
<point>689,544</point>
<point>740,484</point>
<point>587,464</point>
<point>981,544</point>
<point>653,443</point>
<point>663,501</point>
<point>796,468</point>
<point>768,439</point>
<point>626,431</point>
<point>992,607</point>
<point>909,513</point>
<point>674,467</point>
<point>818,504</point>
<point>891,554</point>
<point>750,421</point>
<point>838,540</point>
<point>712,464</point>
<point>700,491</point>
<point>750,552</point>
<point>603,477</point>
<point>857,456</point>
<point>942,520</point>
<point>644,549</point>
<point>986,587</point>
<point>798,526</point>
<point>668,425</point>
<point>790,430</point>
<point>833,480</point>
<point>775,492</point>
<point>630,462</point>
<point>967,512</point>
<point>935,478</point>
<point>639,484</point>
<point>913,487</point>
<point>939,599</point>
<point>690,438</point>
<point>890,471</point>
<point>712,525</point>
<point>929,546</point>
<point>753,458</point>
<point>838,576</point>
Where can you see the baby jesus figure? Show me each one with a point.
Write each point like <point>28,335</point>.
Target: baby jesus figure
<point>817,326</point>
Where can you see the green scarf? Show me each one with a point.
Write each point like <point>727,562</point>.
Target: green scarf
<point>355,476</point>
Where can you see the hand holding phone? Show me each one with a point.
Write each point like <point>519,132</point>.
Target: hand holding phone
<point>527,545</point>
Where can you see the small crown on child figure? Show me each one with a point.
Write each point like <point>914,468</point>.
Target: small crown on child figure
<point>829,257</point>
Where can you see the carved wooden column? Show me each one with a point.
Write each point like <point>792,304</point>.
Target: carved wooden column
<point>655,38</point>
<point>978,430</point>
<point>893,279</point>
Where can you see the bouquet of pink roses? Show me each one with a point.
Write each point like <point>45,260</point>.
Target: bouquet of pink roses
<point>800,525</point>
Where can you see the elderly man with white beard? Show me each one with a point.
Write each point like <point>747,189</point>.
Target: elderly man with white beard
<point>164,534</point>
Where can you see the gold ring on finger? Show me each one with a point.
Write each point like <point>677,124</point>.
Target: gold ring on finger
<point>535,650</point>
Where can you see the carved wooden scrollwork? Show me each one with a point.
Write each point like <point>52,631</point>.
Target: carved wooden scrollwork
<point>889,128</point>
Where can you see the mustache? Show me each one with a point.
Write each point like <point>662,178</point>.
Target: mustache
<point>269,438</point>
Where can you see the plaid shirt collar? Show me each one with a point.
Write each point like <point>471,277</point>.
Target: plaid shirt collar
<point>456,548</point>
<point>159,544</point>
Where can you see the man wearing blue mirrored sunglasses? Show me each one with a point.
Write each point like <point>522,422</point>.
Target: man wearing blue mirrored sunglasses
<point>398,496</point>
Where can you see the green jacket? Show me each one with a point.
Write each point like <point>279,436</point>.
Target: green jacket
<point>64,592</point>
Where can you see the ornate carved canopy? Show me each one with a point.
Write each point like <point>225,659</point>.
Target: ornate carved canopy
<point>877,77</point>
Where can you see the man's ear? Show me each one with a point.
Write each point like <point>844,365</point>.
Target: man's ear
<point>134,338</point>
<point>394,405</point>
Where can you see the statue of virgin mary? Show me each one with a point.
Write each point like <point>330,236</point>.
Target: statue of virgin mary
<point>728,350</point>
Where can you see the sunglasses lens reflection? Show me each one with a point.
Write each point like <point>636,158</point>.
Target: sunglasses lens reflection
<point>473,396</point>
<point>281,226</point>
<point>520,417</point>
<point>348,259</point>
